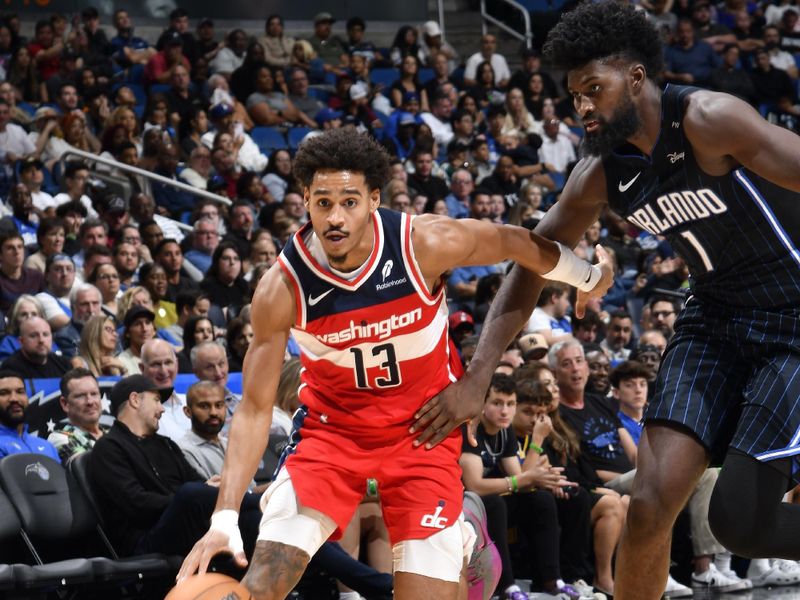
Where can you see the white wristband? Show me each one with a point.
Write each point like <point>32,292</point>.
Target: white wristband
<point>574,271</point>
<point>227,522</point>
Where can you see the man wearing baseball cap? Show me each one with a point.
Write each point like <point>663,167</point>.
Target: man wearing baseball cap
<point>330,49</point>
<point>327,118</point>
<point>433,44</point>
<point>150,497</point>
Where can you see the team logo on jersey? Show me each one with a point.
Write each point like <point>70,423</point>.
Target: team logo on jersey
<point>386,271</point>
<point>387,268</point>
<point>675,157</point>
<point>434,521</point>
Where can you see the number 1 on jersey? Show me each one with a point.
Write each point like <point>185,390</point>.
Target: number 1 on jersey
<point>390,367</point>
<point>690,237</point>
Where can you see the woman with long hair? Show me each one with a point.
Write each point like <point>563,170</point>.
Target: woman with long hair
<point>154,278</point>
<point>224,282</point>
<point>192,129</point>
<point>286,401</point>
<point>106,279</point>
<point>278,177</point>
<point>124,116</point>
<point>242,82</point>
<point>23,75</point>
<point>197,329</point>
<point>561,444</point>
<point>519,121</point>
<point>25,307</point>
<point>535,96</point>
<point>133,296</point>
<point>238,336</point>
<point>250,188</point>
<point>268,105</point>
<point>405,44</point>
<point>50,236</point>
<point>98,346</point>
<point>409,82</point>
<point>484,90</point>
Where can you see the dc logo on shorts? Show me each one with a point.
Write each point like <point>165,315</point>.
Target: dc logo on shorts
<point>434,521</point>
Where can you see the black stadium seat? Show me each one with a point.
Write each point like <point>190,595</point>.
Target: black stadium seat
<point>38,576</point>
<point>52,508</point>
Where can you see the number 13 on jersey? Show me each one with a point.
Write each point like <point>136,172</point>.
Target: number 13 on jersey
<point>385,374</point>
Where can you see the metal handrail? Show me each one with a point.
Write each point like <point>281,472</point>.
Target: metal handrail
<point>148,174</point>
<point>440,4</point>
<point>527,37</point>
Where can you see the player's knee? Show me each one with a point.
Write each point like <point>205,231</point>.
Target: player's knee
<point>649,512</point>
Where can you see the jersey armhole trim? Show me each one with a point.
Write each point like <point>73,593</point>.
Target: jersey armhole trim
<point>412,266</point>
<point>299,296</point>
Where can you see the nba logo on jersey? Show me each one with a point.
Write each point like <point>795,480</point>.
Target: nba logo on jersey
<point>434,521</point>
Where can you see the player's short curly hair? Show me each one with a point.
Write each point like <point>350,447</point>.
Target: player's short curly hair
<point>601,30</point>
<point>342,150</point>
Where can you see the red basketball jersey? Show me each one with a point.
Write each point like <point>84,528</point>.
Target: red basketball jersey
<point>374,348</point>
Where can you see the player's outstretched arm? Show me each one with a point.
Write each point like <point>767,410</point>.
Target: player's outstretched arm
<point>727,130</point>
<point>272,315</point>
<point>583,198</point>
<point>442,243</point>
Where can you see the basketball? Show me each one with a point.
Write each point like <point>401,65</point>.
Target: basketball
<point>209,586</point>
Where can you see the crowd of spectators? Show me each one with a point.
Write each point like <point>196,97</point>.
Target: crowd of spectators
<point>158,283</point>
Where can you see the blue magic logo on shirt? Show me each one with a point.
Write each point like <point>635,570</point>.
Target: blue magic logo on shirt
<point>602,438</point>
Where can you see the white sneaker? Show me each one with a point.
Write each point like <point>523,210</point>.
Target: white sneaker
<point>715,580</point>
<point>731,574</point>
<point>781,572</point>
<point>676,590</point>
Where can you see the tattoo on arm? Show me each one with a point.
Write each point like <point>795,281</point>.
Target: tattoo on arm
<point>274,570</point>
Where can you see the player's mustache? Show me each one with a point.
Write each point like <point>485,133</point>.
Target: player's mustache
<point>338,230</point>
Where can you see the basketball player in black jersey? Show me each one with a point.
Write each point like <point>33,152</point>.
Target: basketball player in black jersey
<point>706,171</point>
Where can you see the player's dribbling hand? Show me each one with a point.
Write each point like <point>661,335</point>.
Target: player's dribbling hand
<point>460,402</point>
<point>606,280</point>
<point>212,543</point>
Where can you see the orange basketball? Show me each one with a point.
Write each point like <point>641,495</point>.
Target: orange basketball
<point>209,586</point>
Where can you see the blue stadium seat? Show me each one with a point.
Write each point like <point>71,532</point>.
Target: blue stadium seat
<point>425,75</point>
<point>30,109</point>
<point>268,139</point>
<point>385,76</point>
<point>159,88</point>
<point>139,111</point>
<point>577,131</point>
<point>296,135</point>
<point>319,94</point>
<point>330,78</point>
<point>380,132</point>
<point>136,74</point>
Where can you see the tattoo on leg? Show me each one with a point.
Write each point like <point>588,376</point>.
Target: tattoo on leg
<point>274,570</point>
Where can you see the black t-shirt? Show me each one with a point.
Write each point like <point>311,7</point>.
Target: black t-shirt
<point>491,449</point>
<point>55,367</point>
<point>598,426</point>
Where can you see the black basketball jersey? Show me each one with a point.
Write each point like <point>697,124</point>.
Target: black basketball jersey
<point>738,233</point>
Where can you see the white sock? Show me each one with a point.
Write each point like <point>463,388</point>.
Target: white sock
<point>349,596</point>
<point>722,561</point>
<point>759,566</point>
<point>511,589</point>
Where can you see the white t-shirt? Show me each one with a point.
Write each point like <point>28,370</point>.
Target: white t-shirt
<point>558,152</point>
<point>14,140</point>
<point>499,64</point>
<point>541,321</point>
<point>42,200</point>
<point>51,306</point>
<point>442,131</point>
<point>63,198</point>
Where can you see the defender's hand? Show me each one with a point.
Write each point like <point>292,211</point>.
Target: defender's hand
<point>606,280</point>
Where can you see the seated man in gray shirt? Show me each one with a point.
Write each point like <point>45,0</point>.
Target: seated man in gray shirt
<point>203,446</point>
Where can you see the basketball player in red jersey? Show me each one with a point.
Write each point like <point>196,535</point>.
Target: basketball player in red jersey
<point>361,289</point>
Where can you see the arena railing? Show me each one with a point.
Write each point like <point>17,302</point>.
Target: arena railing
<point>94,158</point>
<point>526,37</point>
